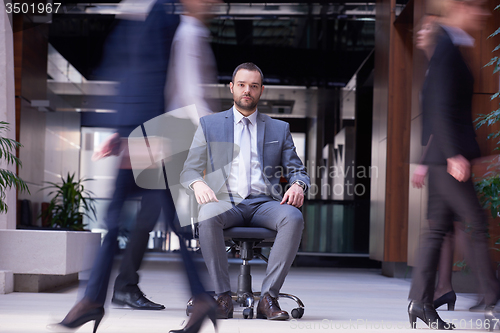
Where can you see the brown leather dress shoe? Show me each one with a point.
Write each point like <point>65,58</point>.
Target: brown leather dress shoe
<point>225,306</point>
<point>269,308</point>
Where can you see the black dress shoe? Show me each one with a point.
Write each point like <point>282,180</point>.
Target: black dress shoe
<point>449,298</point>
<point>135,299</point>
<point>269,308</point>
<point>225,306</point>
<point>428,315</point>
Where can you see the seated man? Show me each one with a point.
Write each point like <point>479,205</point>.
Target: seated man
<point>244,153</point>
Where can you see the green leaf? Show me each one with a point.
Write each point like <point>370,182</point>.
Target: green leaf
<point>495,33</point>
<point>492,61</point>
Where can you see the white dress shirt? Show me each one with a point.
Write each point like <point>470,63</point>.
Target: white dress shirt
<point>258,185</point>
<point>191,65</point>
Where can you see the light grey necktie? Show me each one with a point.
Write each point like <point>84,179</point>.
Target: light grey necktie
<point>244,162</point>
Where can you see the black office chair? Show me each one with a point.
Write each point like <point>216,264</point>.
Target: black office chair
<point>244,240</point>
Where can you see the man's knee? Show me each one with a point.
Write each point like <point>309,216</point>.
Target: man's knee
<point>209,224</point>
<point>210,211</point>
<point>209,218</point>
<point>293,219</point>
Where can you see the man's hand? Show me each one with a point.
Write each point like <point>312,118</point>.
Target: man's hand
<point>203,193</point>
<point>418,178</point>
<point>109,147</point>
<point>294,196</point>
<point>459,168</point>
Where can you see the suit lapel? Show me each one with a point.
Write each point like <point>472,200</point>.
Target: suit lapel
<point>261,129</point>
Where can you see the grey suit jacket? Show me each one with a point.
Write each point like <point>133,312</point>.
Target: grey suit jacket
<point>213,150</point>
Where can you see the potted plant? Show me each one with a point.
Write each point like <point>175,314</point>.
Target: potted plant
<point>69,204</point>
<point>7,177</point>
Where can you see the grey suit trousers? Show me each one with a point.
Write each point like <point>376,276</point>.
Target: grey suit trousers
<point>255,211</point>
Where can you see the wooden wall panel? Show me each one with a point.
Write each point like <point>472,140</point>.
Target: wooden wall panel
<point>482,104</point>
<point>398,141</point>
<point>391,133</point>
<point>379,129</point>
<point>485,82</point>
<point>30,58</point>
<point>417,198</point>
<point>35,54</point>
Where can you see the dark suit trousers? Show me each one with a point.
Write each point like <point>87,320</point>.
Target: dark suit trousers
<point>128,277</point>
<point>447,198</point>
<point>151,204</point>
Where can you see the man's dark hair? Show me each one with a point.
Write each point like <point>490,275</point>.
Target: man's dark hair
<point>249,66</point>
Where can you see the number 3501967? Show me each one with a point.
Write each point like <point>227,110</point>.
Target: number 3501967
<point>32,8</point>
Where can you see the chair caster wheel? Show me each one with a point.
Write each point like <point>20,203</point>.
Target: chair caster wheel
<point>248,313</point>
<point>297,313</point>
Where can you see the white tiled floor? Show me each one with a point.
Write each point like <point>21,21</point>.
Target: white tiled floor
<point>360,300</point>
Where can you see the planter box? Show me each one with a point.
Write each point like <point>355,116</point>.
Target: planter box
<point>42,260</point>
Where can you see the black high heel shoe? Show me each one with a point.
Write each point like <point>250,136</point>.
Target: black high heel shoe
<point>428,315</point>
<point>204,306</point>
<point>449,298</point>
<point>95,314</point>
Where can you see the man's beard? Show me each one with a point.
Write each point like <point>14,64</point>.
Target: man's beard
<point>248,107</point>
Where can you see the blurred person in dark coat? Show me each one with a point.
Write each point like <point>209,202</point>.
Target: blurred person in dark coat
<point>137,57</point>
<point>443,294</point>
<point>447,119</point>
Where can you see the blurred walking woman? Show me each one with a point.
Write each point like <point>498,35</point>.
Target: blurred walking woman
<point>447,118</point>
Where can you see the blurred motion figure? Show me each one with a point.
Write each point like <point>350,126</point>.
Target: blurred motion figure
<point>449,133</point>
<point>137,56</point>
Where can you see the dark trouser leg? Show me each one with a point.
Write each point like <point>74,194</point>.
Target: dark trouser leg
<point>99,277</point>
<point>460,199</point>
<point>192,273</point>
<point>445,265</point>
<point>128,277</point>
<point>173,222</point>
<point>463,198</point>
<point>424,275</point>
